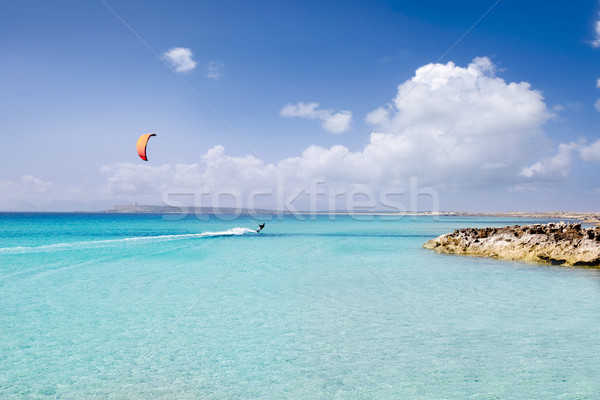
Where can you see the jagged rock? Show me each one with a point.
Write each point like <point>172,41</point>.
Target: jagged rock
<point>556,244</point>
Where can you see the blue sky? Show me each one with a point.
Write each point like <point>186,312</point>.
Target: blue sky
<point>78,88</point>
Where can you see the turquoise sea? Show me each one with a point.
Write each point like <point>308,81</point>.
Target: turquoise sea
<point>105,306</point>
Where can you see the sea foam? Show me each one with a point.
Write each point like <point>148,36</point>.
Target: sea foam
<point>237,231</point>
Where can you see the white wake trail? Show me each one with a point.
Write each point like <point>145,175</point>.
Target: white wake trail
<point>237,231</point>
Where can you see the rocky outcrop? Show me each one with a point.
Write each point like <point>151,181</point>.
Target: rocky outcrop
<point>554,243</point>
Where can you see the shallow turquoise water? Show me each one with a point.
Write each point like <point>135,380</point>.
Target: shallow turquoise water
<point>141,306</point>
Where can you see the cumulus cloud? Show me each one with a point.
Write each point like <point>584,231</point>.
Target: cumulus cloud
<point>129,178</point>
<point>558,165</point>
<point>448,126</point>
<point>214,69</point>
<point>38,185</point>
<point>575,106</point>
<point>334,122</point>
<point>457,125</point>
<point>590,152</point>
<point>215,170</point>
<point>28,187</point>
<point>596,41</point>
<point>180,58</point>
<point>597,104</point>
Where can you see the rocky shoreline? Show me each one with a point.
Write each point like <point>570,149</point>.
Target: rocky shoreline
<point>554,243</point>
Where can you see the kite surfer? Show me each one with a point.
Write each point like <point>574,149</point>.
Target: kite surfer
<point>260,227</point>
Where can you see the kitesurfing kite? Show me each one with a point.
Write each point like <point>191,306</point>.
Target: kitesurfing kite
<point>142,143</point>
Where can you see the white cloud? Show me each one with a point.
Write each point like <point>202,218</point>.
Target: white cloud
<point>14,193</point>
<point>38,185</point>
<point>455,125</point>
<point>129,178</point>
<point>215,172</point>
<point>591,152</point>
<point>448,126</point>
<point>596,41</point>
<point>332,122</point>
<point>557,165</point>
<point>575,106</point>
<point>303,110</point>
<point>180,58</point>
<point>215,169</point>
<point>597,104</point>
<point>338,122</point>
<point>376,116</point>
<point>213,69</point>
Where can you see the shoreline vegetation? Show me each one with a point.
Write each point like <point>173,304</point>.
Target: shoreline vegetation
<point>566,244</point>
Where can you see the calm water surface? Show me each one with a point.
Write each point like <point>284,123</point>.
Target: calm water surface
<point>100,306</point>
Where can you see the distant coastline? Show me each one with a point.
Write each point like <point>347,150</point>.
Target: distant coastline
<point>584,217</point>
<point>587,217</point>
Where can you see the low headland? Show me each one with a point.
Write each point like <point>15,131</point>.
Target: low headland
<point>567,244</point>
